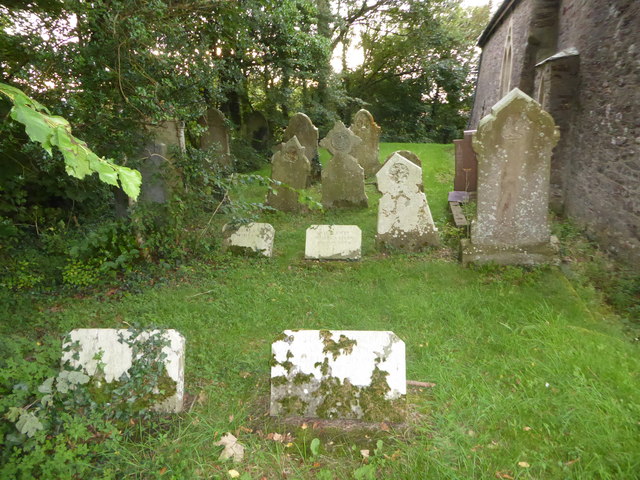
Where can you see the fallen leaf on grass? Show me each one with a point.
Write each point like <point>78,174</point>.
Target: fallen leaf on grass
<point>504,475</point>
<point>526,429</point>
<point>246,430</point>
<point>384,427</point>
<point>162,471</point>
<point>571,462</point>
<point>233,473</point>
<point>523,464</point>
<point>364,453</point>
<point>415,383</point>
<point>232,449</point>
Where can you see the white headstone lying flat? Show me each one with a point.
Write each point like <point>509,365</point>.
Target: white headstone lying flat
<point>333,242</point>
<point>256,238</point>
<point>339,374</point>
<point>108,348</point>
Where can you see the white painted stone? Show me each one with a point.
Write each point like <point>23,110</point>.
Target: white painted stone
<point>253,238</point>
<point>333,242</point>
<point>404,217</point>
<point>338,374</point>
<point>116,357</point>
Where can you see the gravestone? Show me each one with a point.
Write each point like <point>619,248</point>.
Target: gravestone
<point>412,157</point>
<point>216,135</point>
<point>333,242</point>
<point>513,144</point>
<point>251,239</point>
<point>108,347</point>
<point>466,173</point>
<point>343,178</point>
<point>169,133</point>
<point>368,150</point>
<point>255,129</point>
<point>404,217</point>
<point>290,166</point>
<point>302,127</point>
<point>339,374</point>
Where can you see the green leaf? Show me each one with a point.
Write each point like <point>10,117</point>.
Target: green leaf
<point>315,447</point>
<point>37,129</point>
<point>47,385</point>
<point>130,181</point>
<point>28,424</point>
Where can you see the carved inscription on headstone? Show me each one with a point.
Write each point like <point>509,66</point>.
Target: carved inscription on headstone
<point>343,178</point>
<point>342,374</point>
<point>333,242</point>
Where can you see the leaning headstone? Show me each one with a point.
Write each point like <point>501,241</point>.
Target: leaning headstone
<point>339,374</point>
<point>466,173</point>
<point>106,354</point>
<point>368,150</point>
<point>251,239</point>
<point>412,157</point>
<point>342,178</point>
<point>290,167</point>
<point>513,144</point>
<point>302,127</point>
<point>216,135</point>
<point>404,217</point>
<point>333,242</point>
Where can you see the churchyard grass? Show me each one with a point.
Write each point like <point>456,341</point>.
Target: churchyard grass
<point>534,377</point>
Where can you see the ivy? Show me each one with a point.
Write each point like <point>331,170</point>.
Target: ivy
<point>52,130</point>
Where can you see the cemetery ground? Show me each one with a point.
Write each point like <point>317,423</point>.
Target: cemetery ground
<point>528,373</point>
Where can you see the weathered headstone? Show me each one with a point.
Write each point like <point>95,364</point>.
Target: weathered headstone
<point>513,144</point>
<point>216,134</point>
<point>333,242</point>
<point>339,374</point>
<point>343,178</point>
<point>368,150</point>
<point>291,167</point>
<point>105,355</point>
<point>302,127</point>
<point>466,173</point>
<point>157,175</point>
<point>404,217</point>
<point>252,239</point>
<point>169,133</point>
<point>412,157</point>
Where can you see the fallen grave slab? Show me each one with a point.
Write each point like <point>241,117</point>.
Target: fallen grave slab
<point>333,242</point>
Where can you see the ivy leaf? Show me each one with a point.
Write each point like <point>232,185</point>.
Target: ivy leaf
<point>28,424</point>
<point>47,385</point>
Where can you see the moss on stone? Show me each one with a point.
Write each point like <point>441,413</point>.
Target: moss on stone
<point>344,345</point>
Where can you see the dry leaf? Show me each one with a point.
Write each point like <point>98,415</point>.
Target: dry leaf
<point>526,429</point>
<point>163,470</point>
<point>246,430</point>
<point>571,462</point>
<point>231,417</point>
<point>504,475</point>
<point>304,426</point>
<point>245,374</point>
<point>523,464</point>
<point>233,473</point>
<point>415,383</point>
<point>384,427</point>
<point>232,449</point>
<point>277,437</point>
<point>364,453</point>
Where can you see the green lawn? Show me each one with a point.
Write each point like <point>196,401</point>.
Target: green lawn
<point>534,378</point>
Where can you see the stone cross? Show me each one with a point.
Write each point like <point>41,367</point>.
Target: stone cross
<point>302,127</point>
<point>343,178</point>
<point>513,144</point>
<point>289,166</point>
<point>339,374</point>
<point>404,217</point>
<point>216,134</point>
<point>368,151</point>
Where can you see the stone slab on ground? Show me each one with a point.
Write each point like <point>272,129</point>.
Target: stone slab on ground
<point>252,238</point>
<point>116,356</point>
<point>333,242</point>
<point>546,253</point>
<point>342,374</point>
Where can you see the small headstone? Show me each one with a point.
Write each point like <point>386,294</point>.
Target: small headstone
<point>302,127</point>
<point>368,150</point>
<point>157,172</point>
<point>513,144</point>
<point>466,173</point>
<point>333,242</point>
<point>216,134</point>
<point>290,167</point>
<point>252,239</point>
<point>339,374</point>
<point>108,347</point>
<point>343,178</point>
<point>404,217</point>
<point>412,157</point>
